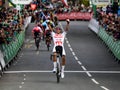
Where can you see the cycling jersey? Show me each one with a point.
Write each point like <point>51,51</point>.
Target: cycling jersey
<point>44,24</point>
<point>58,40</point>
<point>36,30</point>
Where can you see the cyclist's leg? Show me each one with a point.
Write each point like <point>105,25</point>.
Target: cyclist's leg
<point>54,60</point>
<point>63,63</point>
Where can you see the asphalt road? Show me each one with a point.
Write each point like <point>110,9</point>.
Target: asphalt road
<point>89,65</point>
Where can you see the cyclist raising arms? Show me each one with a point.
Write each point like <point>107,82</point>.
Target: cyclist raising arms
<point>37,33</point>
<point>58,39</point>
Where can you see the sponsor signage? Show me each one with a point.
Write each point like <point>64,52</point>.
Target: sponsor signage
<point>21,1</point>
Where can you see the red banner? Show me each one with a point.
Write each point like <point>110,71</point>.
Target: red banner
<point>75,16</point>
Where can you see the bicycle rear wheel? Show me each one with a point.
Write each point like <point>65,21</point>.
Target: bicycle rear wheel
<point>48,43</point>
<point>37,43</point>
<point>48,47</point>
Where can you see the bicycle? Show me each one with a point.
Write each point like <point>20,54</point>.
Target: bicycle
<point>48,42</point>
<point>48,39</point>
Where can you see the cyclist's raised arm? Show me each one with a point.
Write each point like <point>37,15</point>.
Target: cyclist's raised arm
<point>67,25</point>
<point>50,27</point>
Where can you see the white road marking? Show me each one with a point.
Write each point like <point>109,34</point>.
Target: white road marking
<point>104,88</point>
<point>94,81</point>
<point>83,68</point>
<point>22,83</point>
<point>20,86</point>
<point>24,75</point>
<point>69,46</point>
<point>67,42</point>
<point>71,49</point>
<point>24,79</point>
<point>76,58</point>
<point>89,74</point>
<point>79,63</point>
<point>47,71</point>
<point>73,53</point>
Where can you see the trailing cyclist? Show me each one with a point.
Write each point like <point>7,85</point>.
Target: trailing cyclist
<point>47,31</point>
<point>37,34</point>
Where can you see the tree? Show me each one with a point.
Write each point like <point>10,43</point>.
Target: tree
<point>85,2</point>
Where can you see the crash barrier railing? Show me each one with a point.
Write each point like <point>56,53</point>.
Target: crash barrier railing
<point>10,50</point>
<point>109,40</point>
<point>75,16</point>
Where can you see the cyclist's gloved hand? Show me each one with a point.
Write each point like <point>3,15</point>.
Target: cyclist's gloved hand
<point>68,21</point>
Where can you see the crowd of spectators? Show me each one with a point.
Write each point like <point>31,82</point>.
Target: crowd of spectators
<point>12,20</point>
<point>11,23</point>
<point>109,19</point>
<point>73,7</point>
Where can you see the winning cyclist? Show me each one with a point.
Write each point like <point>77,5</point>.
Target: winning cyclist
<point>37,33</point>
<point>58,39</point>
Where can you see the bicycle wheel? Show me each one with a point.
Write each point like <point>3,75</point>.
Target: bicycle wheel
<point>58,74</point>
<point>48,44</point>
<point>37,42</point>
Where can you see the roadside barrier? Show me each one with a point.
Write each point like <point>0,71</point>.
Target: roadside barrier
<point>75,16</point>
<point>113,45</point>
<point>10,50</point>
<point>94,25</point>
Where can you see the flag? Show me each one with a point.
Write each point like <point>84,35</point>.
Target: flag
<point>33,6</point>
<point>65,2</point>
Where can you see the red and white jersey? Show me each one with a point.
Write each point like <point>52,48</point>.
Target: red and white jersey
<point>58,39</point>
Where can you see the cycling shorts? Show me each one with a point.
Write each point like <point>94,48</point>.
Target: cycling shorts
<point>59,49</point>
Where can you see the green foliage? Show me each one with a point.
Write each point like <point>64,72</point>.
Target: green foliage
<point>85,2</point>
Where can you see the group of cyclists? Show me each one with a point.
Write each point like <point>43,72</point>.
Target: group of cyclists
<point>47,27</point>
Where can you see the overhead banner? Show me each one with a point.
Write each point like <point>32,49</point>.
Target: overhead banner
<point>75,16</point>
<point>21,1</point>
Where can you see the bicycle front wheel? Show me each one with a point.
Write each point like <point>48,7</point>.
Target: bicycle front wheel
<point>58,74</point>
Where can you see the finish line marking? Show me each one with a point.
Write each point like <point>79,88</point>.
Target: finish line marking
<point>104,72</point>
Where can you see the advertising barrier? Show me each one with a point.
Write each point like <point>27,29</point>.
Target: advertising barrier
<point>75,16</point>
<point>94,25</point>
<point>113,45</point>
<point>2,59</point>
<point>11,50</point>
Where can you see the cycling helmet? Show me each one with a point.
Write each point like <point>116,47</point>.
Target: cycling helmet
<point>58,28</point>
